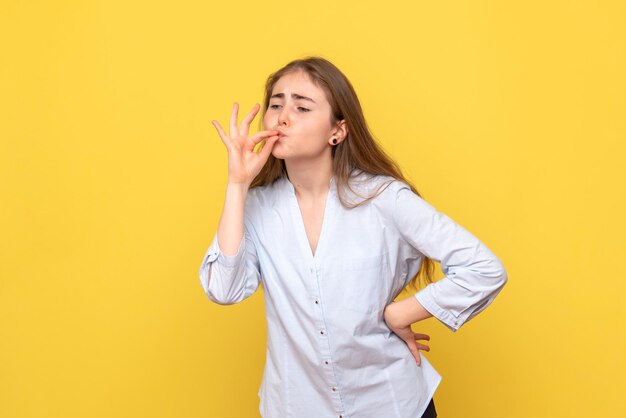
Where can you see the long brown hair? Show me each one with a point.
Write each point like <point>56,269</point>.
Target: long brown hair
<point>358,151</point>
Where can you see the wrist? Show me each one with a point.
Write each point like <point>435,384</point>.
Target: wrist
<point>405,312</point>
<point>238,187</point>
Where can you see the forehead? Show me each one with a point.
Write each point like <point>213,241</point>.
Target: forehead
<point>300,83</point>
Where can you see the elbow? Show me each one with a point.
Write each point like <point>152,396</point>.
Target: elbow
<point>495,274</point>
<point>216,292</point>
<point>222,296</point>
<point>489,268</point>
<point>501,276</point>
<point>220,300</point>
<point>213,285</point>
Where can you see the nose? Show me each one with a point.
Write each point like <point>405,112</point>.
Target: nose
<point>283,116</point>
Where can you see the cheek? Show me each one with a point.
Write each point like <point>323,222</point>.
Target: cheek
<point>270,118</point>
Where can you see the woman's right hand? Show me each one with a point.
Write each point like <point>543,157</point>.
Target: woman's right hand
<point>243,163</point>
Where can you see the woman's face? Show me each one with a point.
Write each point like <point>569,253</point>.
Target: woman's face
<point>300,111</point>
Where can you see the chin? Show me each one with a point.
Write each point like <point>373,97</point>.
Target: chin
<point>277,153</point>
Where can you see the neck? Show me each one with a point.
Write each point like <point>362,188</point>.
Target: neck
<point>310,179</point>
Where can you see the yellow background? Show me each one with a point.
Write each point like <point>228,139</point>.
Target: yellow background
<point>510,118</point>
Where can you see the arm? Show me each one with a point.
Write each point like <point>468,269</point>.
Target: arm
<point>399,316</point>
<point>230,270</point>
<point>405,312</point>
<point>473,274</point>
<point>230,228</point>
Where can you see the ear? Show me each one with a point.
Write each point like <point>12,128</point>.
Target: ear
<point>341,131</point>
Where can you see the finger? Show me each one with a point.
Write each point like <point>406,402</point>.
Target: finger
<point>423,347</point>
<point>421,336</point>
<point>267,148</point>
<point>233,120</point>
<point>221,132</point>
<point>245,123</point>
<point>258,137</point>
<point>413,349</point>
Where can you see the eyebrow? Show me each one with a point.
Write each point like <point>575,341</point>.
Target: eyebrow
<point>294,95</point>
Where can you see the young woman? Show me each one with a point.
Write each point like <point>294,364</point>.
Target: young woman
<point>325,220</point>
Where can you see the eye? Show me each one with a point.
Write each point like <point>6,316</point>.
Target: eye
<point>302,109</point>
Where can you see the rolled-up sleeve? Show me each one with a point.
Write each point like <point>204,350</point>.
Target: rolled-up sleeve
<point>229,279</point>
<point>473,273</point>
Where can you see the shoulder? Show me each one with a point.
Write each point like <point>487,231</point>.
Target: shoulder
<point>394,199</point>
<point>385,188</point>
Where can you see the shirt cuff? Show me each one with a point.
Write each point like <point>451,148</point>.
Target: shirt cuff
<point>215,253</point>
<point>225,261</point>
<point>425,298</point>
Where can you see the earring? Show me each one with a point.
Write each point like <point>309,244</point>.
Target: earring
<point>335,141</point>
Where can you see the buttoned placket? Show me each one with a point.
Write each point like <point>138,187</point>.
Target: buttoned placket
<point>324,344</point>
<point>314,273</point>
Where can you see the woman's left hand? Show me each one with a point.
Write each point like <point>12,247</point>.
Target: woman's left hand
<point>406,333</point>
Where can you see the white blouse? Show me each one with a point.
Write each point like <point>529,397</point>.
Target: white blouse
<point>329,351</point>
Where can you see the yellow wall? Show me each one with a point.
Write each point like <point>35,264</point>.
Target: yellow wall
<point>510,118</point>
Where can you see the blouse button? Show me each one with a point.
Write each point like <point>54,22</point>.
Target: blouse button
<point>322,332</point>
<point>334,389</point>
<point>317,302</point>
<point>325,361</point>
